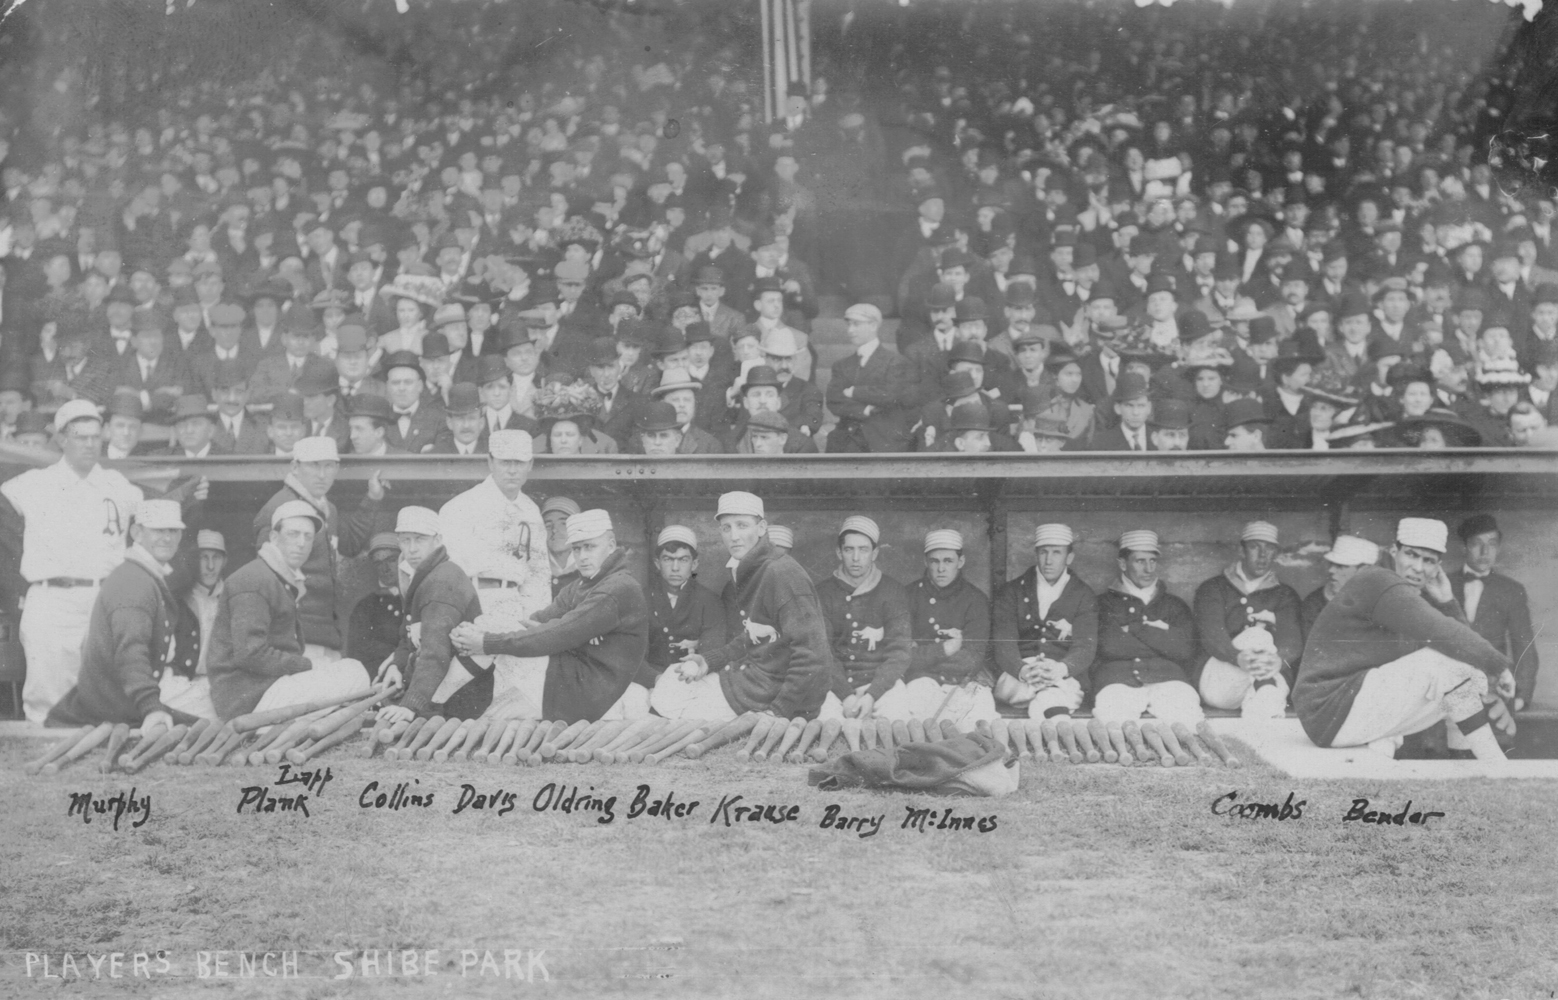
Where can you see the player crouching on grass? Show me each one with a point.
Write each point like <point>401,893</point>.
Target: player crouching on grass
<point>257,659</point>
<point>438,598</point>
<point>1392,654</point>
<point>1045,630</point>
<point>595,634</point>
<point>867,614</point>
<point>779,661</point>
<point>949,621</point>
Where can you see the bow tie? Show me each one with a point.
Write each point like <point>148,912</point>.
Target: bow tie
<point>1474,575</point>
<point>405,413</point>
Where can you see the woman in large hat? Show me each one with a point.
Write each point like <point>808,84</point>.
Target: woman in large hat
<point>568,410</point>
<point>1206,366</point>
<point>1436,429</point>
<point>1062,404</point>
<point>1332,399</point>
<point>413,295</point>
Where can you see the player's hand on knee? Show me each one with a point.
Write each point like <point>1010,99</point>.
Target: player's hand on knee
<point>694,667</point>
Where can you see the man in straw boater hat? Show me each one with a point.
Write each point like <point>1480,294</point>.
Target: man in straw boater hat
<point>779,661</point>
<point>1392,654</point>
<point>259,656</point>
<point>1348,554</point>
<point>1044,628</point>
<point>315,464</point>
<point>498,536</point>
<point>1247,624</point>
<point>594,634</point>
<point>949,622</point>
<point>436,599</point>
<point>1146,642</point>
<point>130,638</point>
<point>72,519</point>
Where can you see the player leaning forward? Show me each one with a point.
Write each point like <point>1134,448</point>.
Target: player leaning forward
<point>1392,654</point>
<point>594,635</point>
<point>258,658</point>
<point>778,661</point>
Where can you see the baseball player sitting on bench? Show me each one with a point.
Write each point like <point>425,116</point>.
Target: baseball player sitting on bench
<point>867,614</point>
<point>1392,654</point>
<point>778,661</point>
<point>1044,629</point>
<point>595,634</point>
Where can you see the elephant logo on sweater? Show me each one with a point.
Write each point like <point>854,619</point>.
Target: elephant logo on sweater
<point>870,636</point>
<point>758,633</point>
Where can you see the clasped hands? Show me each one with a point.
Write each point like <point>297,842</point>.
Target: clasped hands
<point>1042,672</point>
<point>1260,664</point>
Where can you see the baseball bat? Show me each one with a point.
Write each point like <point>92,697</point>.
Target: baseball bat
<point>80,748</point>
<point>1084,738</point>
<point>999,733</point>
<point>868,734</point>
<point>826,738</point>
<point>232,753</point>
<point>392,735</point>
<point>402,747</point>
<point>1216,744</point>
<point>667,737</point>
<point>373,742</point>
<point>916,728</point>
<point>788,739</point>
<point>331,721</point>
<point>148,737</point>
<point>775,734</point>
<point>116,741</point>
<point>603,733</point>
<point>1118,741</point>
<point>1051,740</point>
<point>633,750</point>
<point>1098,738</point>
<point>1149,732</point>
<point>886,738</point>
<point>1133,736</point>
<point>441,736</point>
<point>197,729</point>
<point>191,753</point>
<point>1188,740</point>
<point>57,749</point>
<point>538,737</point>
<point>1068,739</point>
<point>1172,745</point>
<point>583,738</point>
<point>756,736</point>
<point>615,750</point>
<point>693,736</point>
<point>352,727</point>
<point>496,728</point>
<point>732,731</point>
<point>264,738</point>
<point>223,743</point>
<point>473,740</point>
<point>293,733</point>
<point>851,730</point>
<point>167,741</point>
<point>809,734</point>
<point>421,739</point>
<point>1018,730</point>
<point>1035,740</point>
<point>503,750</point>
<point>251,721</point>
<point>949,730</point>
<point>900,733</point>
<point>561,739</point>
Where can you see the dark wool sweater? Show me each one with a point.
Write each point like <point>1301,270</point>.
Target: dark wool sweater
<point>858,660</point>
<point>961,606</point>
<point>1376,617</point>
<point>130,637</point>
<point>698,615</point>
<point>1068,633</point>
<point>439,597</point>
<point>596,632</point>
<point>257,638</point>
<point>789,674</point>
<point>1135,653</point>
<point>1222,612</point>
<point>1309,609</point>
<point>343,536</point>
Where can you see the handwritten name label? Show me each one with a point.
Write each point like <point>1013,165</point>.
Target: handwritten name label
<point>119,805</point>
<point>1361,813</point>
<point>926,819</point>
<point>1230,806</point>
<point>260,799</point>
<point>497,800</point>
<point>403,796</point>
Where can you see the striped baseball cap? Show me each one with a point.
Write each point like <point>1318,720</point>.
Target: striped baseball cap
<point>861,525</point>
<point>1140,540</point>
<point>1259,531</point>
<point>562,505</point>
<point>944,538</point>
<point>677,534</point>
<point>1053,534</point>
<point>781,536</point>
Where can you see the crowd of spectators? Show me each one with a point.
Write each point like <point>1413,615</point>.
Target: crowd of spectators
<point>1054,226</point>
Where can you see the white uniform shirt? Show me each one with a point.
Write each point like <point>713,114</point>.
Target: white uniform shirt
<point>489,535</point>
<point>74,526</point>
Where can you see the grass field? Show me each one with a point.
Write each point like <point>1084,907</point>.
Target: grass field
<point>1096,882</point>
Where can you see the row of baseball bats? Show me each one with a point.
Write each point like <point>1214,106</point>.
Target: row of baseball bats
<point>298,733</point>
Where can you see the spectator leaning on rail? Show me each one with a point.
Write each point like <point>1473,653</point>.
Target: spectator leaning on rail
<point>1392,654</point>
<point>779,659</point>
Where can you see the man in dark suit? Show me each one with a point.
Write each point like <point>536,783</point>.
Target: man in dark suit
<point>800,401</point>
<point>463,432</point>
<point>619,405</point>
<point>418,415</point>
<point>1132,407</point>
<point>276,374</point>
<point>189,335</point>
<point>155,374</point>
<point>194,429</point>
<point>1496,606</point>
<point>495,383</point>
<point>326,265</point>
<point>238,432</point>
<point>870,390</point>
<point>324,405</point>
<point>928,355</point>
<point>227,347</point>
